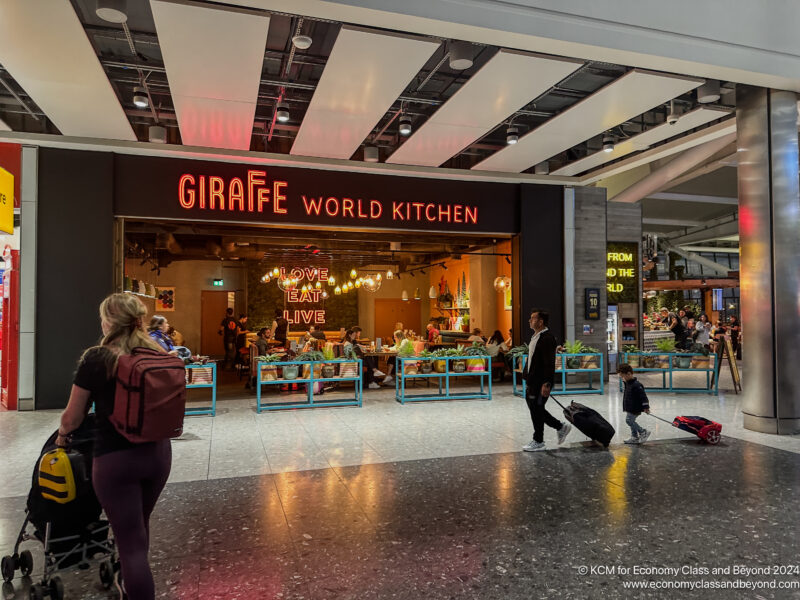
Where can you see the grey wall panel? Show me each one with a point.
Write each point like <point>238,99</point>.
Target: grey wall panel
<point>624,224</point>
<point>74,264</point>
<point>590,262</point>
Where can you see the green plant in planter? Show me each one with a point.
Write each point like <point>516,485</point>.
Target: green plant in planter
<point>477,349</point>
<point>425,364</point>
<point>590,362</point>
<point>633,354</point>
<point>516,353</point>
<point>664,345</point>
<point>269,358</point>
<point>406,348</point>
<point>576,347</point>
<point>440,366</point>
<point>314,355</point>
<point>328,353</point>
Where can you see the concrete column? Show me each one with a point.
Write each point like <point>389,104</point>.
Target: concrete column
<point>769,217</point>
<point>27,278</point>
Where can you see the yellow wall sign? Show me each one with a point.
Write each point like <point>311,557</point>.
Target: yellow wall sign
<point>622,272</point>
<point>6,202</point>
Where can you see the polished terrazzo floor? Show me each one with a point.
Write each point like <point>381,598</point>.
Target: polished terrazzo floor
<point>435,501</point>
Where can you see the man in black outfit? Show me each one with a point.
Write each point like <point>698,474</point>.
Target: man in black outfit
<point>539,376</point>
<point>228,329</point>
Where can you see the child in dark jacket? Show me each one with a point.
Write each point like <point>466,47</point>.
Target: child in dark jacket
<point>634,402</point>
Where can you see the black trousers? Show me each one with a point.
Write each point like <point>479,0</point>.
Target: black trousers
<point>540,416</point>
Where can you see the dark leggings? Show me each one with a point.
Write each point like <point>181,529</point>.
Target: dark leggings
<point>128,484</point>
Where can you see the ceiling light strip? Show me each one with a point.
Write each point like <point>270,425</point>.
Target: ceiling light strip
<point>625,98</point>
<point>644,140</point>
<point>365,74</point>
<point>505,84</point>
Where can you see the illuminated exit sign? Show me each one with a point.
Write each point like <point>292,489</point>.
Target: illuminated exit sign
<point>218,283</point>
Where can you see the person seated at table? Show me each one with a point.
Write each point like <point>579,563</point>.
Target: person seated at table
<point>433,333</point>
<point>280,328</point>
<point>370,363</point>
<point>398,337</point>
<point>496,346</point>
<point>476,337</point>
<point>262,341</point>
<point>176,336</point>
<point>315,333</point>
<point>158,331</point>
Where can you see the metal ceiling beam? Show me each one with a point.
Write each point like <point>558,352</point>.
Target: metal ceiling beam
<point>694,198</point>
<point>725,161</point>
<point>714,266</point>
<point>672,222</point>
<point>722,227</point>
<point>718,249</point>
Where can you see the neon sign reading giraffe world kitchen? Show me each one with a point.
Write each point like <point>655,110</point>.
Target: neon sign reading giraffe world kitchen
<point>257,194</point>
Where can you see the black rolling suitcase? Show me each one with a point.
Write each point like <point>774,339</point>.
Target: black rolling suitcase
<point>590,422</point>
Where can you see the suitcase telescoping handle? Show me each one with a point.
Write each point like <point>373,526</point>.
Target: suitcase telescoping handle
<point>553,396</point>
<point>660,419</point>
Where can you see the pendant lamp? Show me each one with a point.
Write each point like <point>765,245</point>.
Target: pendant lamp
<point>432,293</point>
<point>417,295</point>
<point>404,296</point>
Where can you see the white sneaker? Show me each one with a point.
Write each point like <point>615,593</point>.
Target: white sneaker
<point>373,386</point>
<point>389,379</point>
<point>378,373</point>
<point>534,446</point>
<point>633,440</point>
<point>562,433</point>
<point>643,435</point>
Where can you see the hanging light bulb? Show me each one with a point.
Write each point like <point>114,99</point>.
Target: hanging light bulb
<point>389,274</point>
<point>358,283</point>
<point>304,289</point>
<point>318,285</point>
<point>378,276</point>
<point>276,271</point>
<point>346,289</point>
<point>353,273</point>
<point>331,280</point>
<point>338,291</point>
<point>324,294</point>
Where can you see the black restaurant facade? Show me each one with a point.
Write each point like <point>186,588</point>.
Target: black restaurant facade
<point>85,197</point>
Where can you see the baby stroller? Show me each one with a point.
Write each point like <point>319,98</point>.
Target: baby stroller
<point>72,533</point>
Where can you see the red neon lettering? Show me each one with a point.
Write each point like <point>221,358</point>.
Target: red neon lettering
<point>332,212</point>
<point>283,273</point>
<point>252,181</point>
<point>315,294</point>
<point>396,214</point>
<point>288,318</point>
<point>323,274</point>
<point>236,193</point>
<point>375,209</point>
<point>277,197</point>
<point>297,273</point>
<point>312,204</point>
<point>305,297</point>
<point>319,316</point>
<point>307,315</point>
<point>216,185</point>
<point>293,295</point>
<point>408,211</point>
<point>309,273</point>
<point>361,214</point>
<point>457,216</point>
<point>202,191</point>
<point>471,214</point>
<point>428,208</point>
<point>262,199</point>
<point>443,212</point>
<point>347,207</point>
<point>418,206</point>
<point>183,192</point>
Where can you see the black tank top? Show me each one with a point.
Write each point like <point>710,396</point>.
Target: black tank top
<point>280,330</point>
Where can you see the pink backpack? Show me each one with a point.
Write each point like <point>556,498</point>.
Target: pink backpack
<point>150,398</point>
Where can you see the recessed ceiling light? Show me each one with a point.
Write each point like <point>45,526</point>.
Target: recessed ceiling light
<point>113,11</point>
<point>708,92</point>
<point>140,97</point>
<point>608,143</point>
<point>157,134</point>
<point>543,168</point>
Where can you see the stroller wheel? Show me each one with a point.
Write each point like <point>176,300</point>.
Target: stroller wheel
<point>26,562</point>
<point>7,567</point>
<point>36,592</point>
<point>56,589</point>
<point>713,437</point>
<point>107,574</point>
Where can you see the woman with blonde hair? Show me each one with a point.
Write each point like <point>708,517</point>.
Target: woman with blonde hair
<point>128,477</point>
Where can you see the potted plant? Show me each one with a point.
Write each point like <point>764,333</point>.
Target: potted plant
<point>328,370</point>
<point>666,345</point>
<point>425,364</point>
<point>683,360</point>
<point>465,322</point>
<point>440,366</point>
<point>576,347</point>
<point>590,362</point>
<point>269,372</point>
<point>632,354</point>
<point>476,364</point>
<point>701,358</point>
<point>516,353</point>
<point>349,369</point>
<point>405,350</point>
<point>312,355</point>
